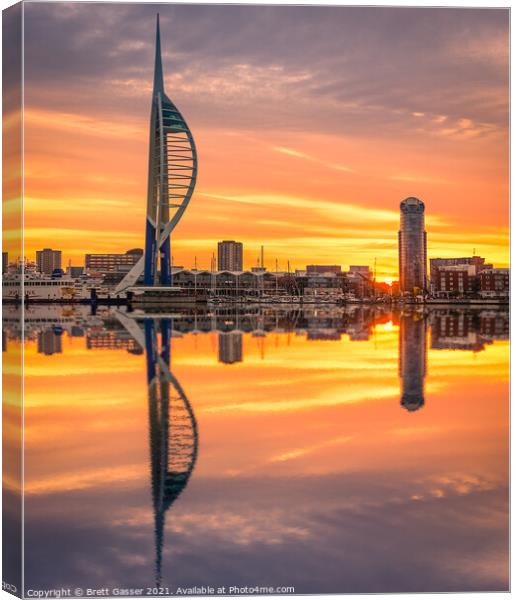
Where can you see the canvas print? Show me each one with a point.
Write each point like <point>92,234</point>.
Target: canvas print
<point>255,299</point>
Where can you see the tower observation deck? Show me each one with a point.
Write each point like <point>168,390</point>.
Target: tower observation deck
<point>171,182</point>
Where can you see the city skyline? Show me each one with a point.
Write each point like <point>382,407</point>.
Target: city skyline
<point>464,274</point>
<point>342,172</point>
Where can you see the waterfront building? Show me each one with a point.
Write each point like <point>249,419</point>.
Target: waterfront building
<point>323,269</point>
<point>106,263</point>
<point>363,270</point>
<point>412,247</point>
<point>323,287</point>
<point>477,261</point>
<point>494,283</point>
<point>230,255</point>
<point>358,282</point>
<point>5,262</point>
<point>74,272</point>
<point>47,260</point>
<point>454,281</point>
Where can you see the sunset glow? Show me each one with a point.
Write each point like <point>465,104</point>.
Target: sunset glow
<point>323,402</point>
<point>306,152</point>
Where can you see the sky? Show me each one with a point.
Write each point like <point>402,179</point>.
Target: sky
<point>311,124</point>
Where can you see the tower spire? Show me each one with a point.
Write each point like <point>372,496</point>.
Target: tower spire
<point>171,182</point>
<point>158,66</point>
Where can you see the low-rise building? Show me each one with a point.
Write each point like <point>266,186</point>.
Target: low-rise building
<point>74,272</point>
<point>323,269</point>
<point>494,283</point>
<point>477,261</point>
<point>107,263</point>
<point>473,264</point>
<point>454,281</point>
<point>358,282</point>
<point>363,270</point>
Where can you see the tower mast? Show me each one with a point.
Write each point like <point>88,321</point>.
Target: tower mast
<point>172,174</point>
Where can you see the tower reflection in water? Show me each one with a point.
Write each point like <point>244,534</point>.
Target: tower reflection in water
<point>412,359</point>
<point>173,430</point>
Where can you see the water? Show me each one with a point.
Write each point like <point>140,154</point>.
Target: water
<point>349,450</point>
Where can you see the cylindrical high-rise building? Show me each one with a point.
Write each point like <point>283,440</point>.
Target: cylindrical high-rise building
<point>412,246</point>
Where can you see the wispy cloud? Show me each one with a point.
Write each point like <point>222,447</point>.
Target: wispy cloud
<point>338,210</point>
<point>297,154</point>
<point>291,152</point>
<point>84,124</point>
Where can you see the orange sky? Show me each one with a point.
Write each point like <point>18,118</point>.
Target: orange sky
<point>314,194</point>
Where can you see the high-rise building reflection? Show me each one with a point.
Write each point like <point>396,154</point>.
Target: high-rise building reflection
<point>230,347</point>
<point>412,359</point>
<point>172,430</point>
<point>50,342</point>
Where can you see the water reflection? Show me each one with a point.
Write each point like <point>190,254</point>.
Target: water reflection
<point>173,433</point>
<point>450,329</point>
<point>172,428</point>
<point>468,330</point>
<point>230,348</point>
<point>49,342</point>
<point>310,474</point>
<point>412,359</point>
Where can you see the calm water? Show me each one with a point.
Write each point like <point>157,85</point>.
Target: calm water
<point>353,450</point>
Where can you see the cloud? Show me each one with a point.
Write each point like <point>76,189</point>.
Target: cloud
<point>338,210</point>
<point>327,533</point>
<point>360,69</point>
<point>297,154</point>
<point>290,152</point>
